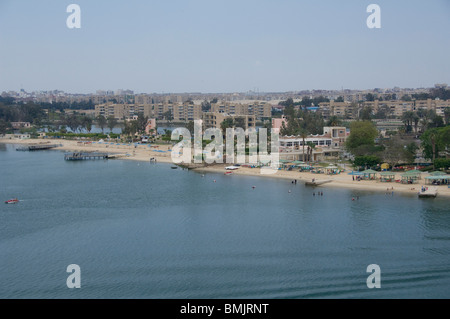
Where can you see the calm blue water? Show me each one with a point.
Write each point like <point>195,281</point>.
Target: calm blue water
<point>141,230</point>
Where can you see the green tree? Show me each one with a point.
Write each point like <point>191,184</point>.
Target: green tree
<point>86,122</point>
<point>398,149</point>
<point>334,121</point>
<point>435,140</point>
<point>310,150</point>
<point>190,126</point>
<point>4,126</point>
<point>362,135</point>
<point>111,123</point>
<point>226,123</point>
<point>366,161</point>
<point>168,115</point>
<point>303,134</point>
<point>73,122</point>
<point>406,98</point>
<point>101,122</point>
<point>339,99</point>
<point>141,123</point>
<point>370,97</point>
<point>206,106</point>
<point>408,119</point>
<point>366,113</point>
<point>239,122</point>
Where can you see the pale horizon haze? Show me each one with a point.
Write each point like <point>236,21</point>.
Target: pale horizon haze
<point>222,46</point>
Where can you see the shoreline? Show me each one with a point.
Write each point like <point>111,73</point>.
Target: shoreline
<point>162,154</point>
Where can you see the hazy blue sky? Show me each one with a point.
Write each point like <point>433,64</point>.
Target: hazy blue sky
<point>223,46</point>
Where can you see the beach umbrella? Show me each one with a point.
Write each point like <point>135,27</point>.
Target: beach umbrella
<point>369,171</point>
<point>413,172</point>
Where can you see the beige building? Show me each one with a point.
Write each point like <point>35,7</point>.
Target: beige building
<point>123,111</point>
<point>181,112</point>
<point>259,109</point>
<point>326,146</point>
<point>337,108</point>
<point>187,112</point>
<point>215,119</point>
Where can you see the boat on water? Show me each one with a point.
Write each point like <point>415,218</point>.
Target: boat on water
<point>228,173</point>
<point>232,168</point>
<point>317,183</point>
<point>428,193</point>
<point>174,167</point>
<point>12,201</point>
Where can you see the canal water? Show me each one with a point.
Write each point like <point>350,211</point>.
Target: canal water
<point>143,230</point>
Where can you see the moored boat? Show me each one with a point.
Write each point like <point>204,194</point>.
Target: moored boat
<point>428,193</point>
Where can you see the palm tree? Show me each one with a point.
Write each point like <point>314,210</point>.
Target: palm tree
<point>311,147</point>
<point>407,119</point>
<point>416,120</point>
<point>303,134</point>
<point>87,123</point>
<point>334,121</point>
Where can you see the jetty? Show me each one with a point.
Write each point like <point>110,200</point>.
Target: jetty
<point>428,193</point>
<point>317,183</point>
<point>37,147</point>
<point>79,156</point>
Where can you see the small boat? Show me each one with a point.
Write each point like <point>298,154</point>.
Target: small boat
<point>12,201</point>
<point>228,173</point>
<point>317,183</point>
<point>428,193</point>
<point>174,167</point>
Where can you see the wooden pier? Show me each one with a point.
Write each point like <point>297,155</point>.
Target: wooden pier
<point>37,147</point>
<point>80,156</point>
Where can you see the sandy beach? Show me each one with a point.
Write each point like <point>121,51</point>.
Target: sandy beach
<point>162,154</point>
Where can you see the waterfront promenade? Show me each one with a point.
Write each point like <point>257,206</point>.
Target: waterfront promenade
<point>162,154</point>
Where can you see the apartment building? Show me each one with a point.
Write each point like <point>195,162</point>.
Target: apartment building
<point>180,111</point>
<point>215,119</point>
<point>277,123</point>
<point>258,108</point>
<point>187,112</point>
<point>337,108</point>
<point>123,111</point>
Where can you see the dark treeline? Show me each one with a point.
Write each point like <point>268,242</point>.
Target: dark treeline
<point>306,101</point>
<point>22,113</point>
<point>61,106</point>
